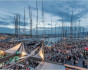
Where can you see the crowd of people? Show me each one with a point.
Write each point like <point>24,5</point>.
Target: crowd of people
<point>27,64</point>
<point>31,46</point>
<point>7,45</point>
<point>66,53</point>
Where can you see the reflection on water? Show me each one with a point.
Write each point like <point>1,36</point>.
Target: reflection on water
<point>51,41</point>
<point>54,39</point>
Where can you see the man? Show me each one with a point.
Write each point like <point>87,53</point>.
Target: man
<point>83,62</point>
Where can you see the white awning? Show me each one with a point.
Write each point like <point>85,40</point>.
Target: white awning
<point>40,54</point>
<point>51,66</point>
<point>13,49</point>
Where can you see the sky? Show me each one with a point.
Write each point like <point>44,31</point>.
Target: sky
<point>54,10</point>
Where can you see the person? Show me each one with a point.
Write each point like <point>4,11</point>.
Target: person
<point>83,63</point>
<point>74,62</point>
<point>71,60</point>
<point>27,68</point>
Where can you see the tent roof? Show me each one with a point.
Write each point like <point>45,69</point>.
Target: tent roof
<point>13,49</point>
<point>52,66</point>
<point>39,54</point>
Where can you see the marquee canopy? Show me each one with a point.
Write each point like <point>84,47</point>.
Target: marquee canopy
<point>13,49</point>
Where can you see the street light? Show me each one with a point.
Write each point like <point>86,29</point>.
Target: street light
<point>1,53</point>
<point>23,53</point>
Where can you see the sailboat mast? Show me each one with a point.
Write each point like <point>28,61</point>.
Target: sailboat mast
<point>75,30</point>
<point>55,30</point>
<point>24,24</point>
<point>30,16</point>
<point>55,33</point>
<point>66,31</point>
<point>62,28</point>
<point>79,30</point>
<point>37,20</point>
<point>43,18</point>
<point>31,24</point>
<point>29,21</point>
<point>71,30</point>
<point>51,27</point>
<point>19,25</point>
<point>83,32</point>
<point>15,25</point>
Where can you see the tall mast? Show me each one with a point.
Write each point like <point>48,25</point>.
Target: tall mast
<point>58,32</point>
<point>29,21</point>
<point>31,24</point>
<point>83,32</point>
<point>48,34</point>
<point>79,30</point>
<point>43,18</point>
<point>30,16</point>
<point>43,27</point>
<point>37,20</point>
<point>55,33</point>
<point>19,25</point>
<point>62,28</point>
<point>24,24</point>
<point>51,27</point>
<point>71,30</point>
<point>15,25</point>
<point>75,29</point>
<point>65,31</point>
<point>55,30</point>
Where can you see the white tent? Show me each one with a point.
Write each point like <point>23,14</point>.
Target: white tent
<point>49,66</point>
<point>13,49</point>
<point>22,50</point>
<point>31,54</point>
<point>40,54</point>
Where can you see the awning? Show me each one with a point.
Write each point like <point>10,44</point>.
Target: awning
<point>50,66</point>
<point>13,49</point>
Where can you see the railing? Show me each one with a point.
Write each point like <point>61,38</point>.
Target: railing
<point>38,59</point>
<point>74,67</point>
<point>7,57</point>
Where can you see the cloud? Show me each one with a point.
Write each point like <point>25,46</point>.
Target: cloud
<point>55,10</point>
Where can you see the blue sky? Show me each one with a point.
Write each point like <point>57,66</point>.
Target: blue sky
<point>55,10</point>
